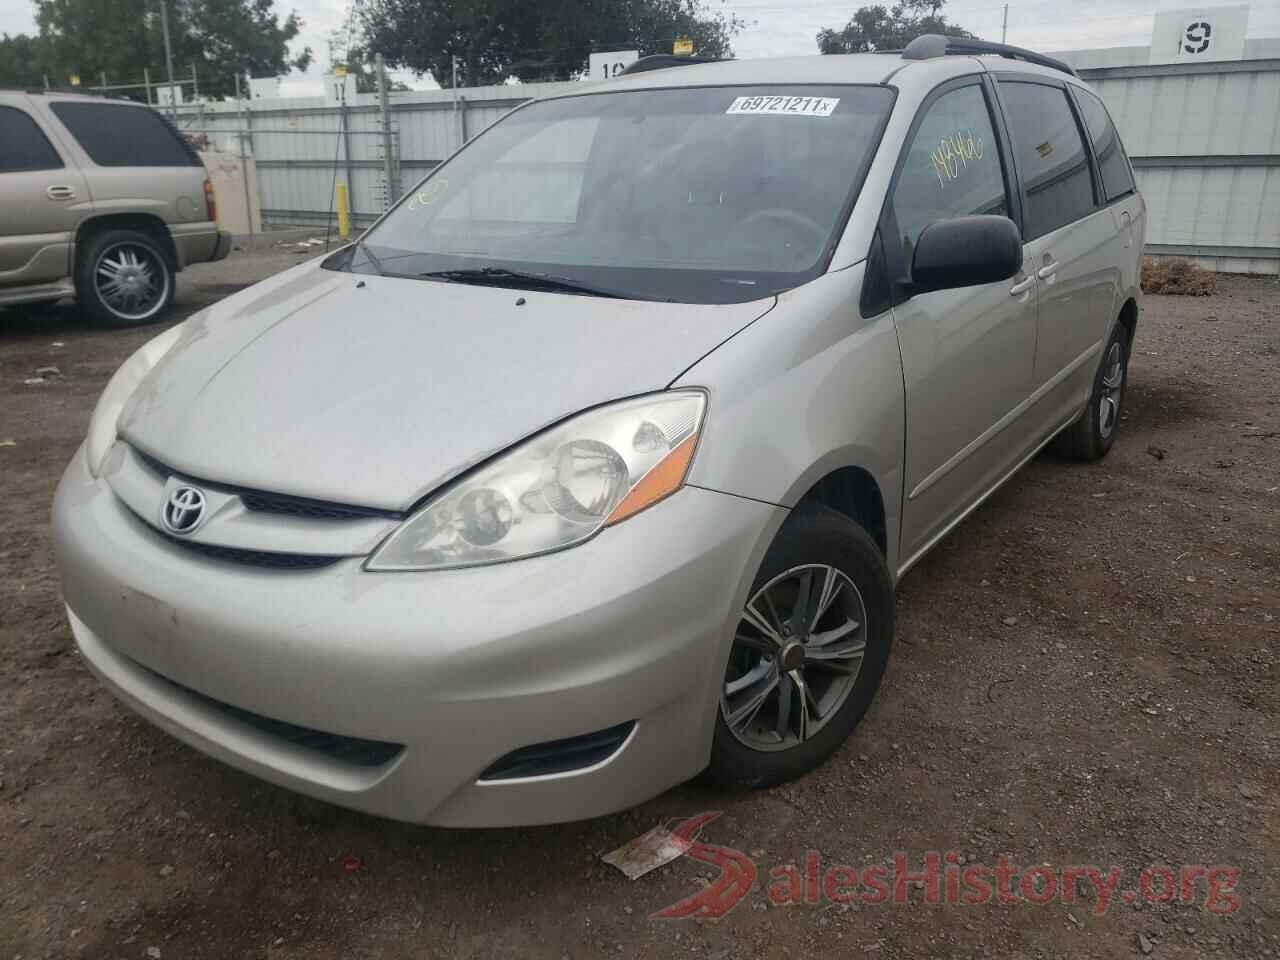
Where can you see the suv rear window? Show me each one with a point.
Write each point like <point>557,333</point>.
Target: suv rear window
<point>115,135</point>
<point>22,144</point>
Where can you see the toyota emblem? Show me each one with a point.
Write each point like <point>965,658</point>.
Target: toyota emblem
<point>184,510</point>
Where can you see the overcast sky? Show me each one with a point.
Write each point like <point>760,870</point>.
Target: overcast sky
<point>777,28</point>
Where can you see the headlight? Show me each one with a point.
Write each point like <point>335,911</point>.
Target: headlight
<point>556,489</point>
<point>102,425</point>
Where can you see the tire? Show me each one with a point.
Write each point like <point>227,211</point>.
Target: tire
<point>140,269</point>
<point>814,540</point>
<point>1092,435</point>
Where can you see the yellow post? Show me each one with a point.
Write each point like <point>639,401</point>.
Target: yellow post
<point>344,212</point>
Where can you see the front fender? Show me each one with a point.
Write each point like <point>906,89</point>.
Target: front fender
<point>809,388</point>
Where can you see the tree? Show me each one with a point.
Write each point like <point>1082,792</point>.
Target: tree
<point>122,37</point>
<point>24,61</point>
<point>549,40</point>
<point>878,28</point>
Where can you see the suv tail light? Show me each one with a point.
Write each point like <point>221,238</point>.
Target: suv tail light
<point>210,201</point>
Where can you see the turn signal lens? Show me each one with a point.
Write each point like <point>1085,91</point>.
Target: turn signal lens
<point>658,484</point>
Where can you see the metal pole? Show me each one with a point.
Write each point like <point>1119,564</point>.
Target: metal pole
<point>455,100</point>
<point>1004,28</point>
<point>195,82</point>
<point>168,59</point>
<point>385,112</point>
<point>146,82</point>
<point>46,81</point>
<point>102,75</point>
<point>346,154</point>
<point>244,166</point>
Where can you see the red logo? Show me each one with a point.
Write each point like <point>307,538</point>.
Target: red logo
<point>737,875</point>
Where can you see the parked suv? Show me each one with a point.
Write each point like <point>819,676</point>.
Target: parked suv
<point>596,461</point>
<point>100,199</point>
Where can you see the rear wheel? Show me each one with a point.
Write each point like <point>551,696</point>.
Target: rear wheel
<point>808,652</point>
<point>1091,436</point>
<point>123,278</point>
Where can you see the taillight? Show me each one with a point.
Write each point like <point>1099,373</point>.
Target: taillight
<point>210,202</point>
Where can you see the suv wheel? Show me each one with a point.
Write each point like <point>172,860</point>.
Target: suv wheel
<point>123,277</point>
<point>808,652</point>
<point>1091,436</point>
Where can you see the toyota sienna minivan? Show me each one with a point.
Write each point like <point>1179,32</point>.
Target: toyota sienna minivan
<point>594,464</point>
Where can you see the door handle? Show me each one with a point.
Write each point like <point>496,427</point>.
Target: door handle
<point>1022,286</point>
<point>1047,271</point>
<point>61,191</point>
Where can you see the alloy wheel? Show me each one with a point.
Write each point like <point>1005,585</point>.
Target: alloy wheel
<point>1112,387</point>
<point>796,655</point>
<point>131,280</point>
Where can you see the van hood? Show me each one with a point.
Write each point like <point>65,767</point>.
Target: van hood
<point>374,390</point>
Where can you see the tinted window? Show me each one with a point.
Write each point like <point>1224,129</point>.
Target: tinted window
<point>1117,179</point>
<point>118,136</point>
<point>1051,156</point>
<point>952,167</point>
<point>22,144</point>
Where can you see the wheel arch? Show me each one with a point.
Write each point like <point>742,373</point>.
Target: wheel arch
<point>146,223</point>
<point>854,492</point>
<point>1128,319</point>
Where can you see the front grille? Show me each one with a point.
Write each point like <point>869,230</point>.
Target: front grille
<point>560,756</point>
<point>264,501</point>
<point>255,558</point>
<point>310,509</point>
<point>351,750</point>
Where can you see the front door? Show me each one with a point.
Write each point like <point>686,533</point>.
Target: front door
<point>967,354</point>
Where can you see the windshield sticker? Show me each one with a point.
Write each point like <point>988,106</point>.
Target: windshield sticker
<point>954,154</point>
<point>786,106</point>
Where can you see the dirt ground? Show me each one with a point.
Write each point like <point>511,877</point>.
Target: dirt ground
<point>1085,673</point>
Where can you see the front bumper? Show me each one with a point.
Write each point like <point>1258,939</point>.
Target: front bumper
<point>460,667</point>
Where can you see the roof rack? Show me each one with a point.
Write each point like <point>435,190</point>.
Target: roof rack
<point>932,45</point>
<point>661,61</point>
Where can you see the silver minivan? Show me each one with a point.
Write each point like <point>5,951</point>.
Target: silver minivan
<point>102,200</point>
<point>595,463</point>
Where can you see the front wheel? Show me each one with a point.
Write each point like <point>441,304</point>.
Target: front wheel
<point>1091,436</point>
<point>808,651</point>
<point>123,278</point>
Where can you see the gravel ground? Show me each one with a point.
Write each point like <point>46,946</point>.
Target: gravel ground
<point>1085,673</point>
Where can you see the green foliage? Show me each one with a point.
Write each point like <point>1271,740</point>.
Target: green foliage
<point>121,37</point>
<point>546,40</point>
<point>881,28</point>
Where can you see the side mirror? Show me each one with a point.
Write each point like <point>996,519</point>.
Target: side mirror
<point>965,252</point>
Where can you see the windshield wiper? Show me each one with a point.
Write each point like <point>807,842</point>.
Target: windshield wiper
<point>521,279</point>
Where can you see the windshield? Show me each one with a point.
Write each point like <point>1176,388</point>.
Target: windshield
<point>700,195</point>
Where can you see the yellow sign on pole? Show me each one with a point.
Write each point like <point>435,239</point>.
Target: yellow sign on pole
<point>683,47</point>
<point>344,211</point>
<point>74,79</point>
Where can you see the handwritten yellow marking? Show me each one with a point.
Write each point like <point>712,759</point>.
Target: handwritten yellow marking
<point>954,153</point>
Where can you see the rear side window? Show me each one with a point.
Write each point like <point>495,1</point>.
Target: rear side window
<point>952,167</point>
<point>23,146</point>
<point>1051,156</point>
<point>115,135</point>
<point>1117,178</point>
